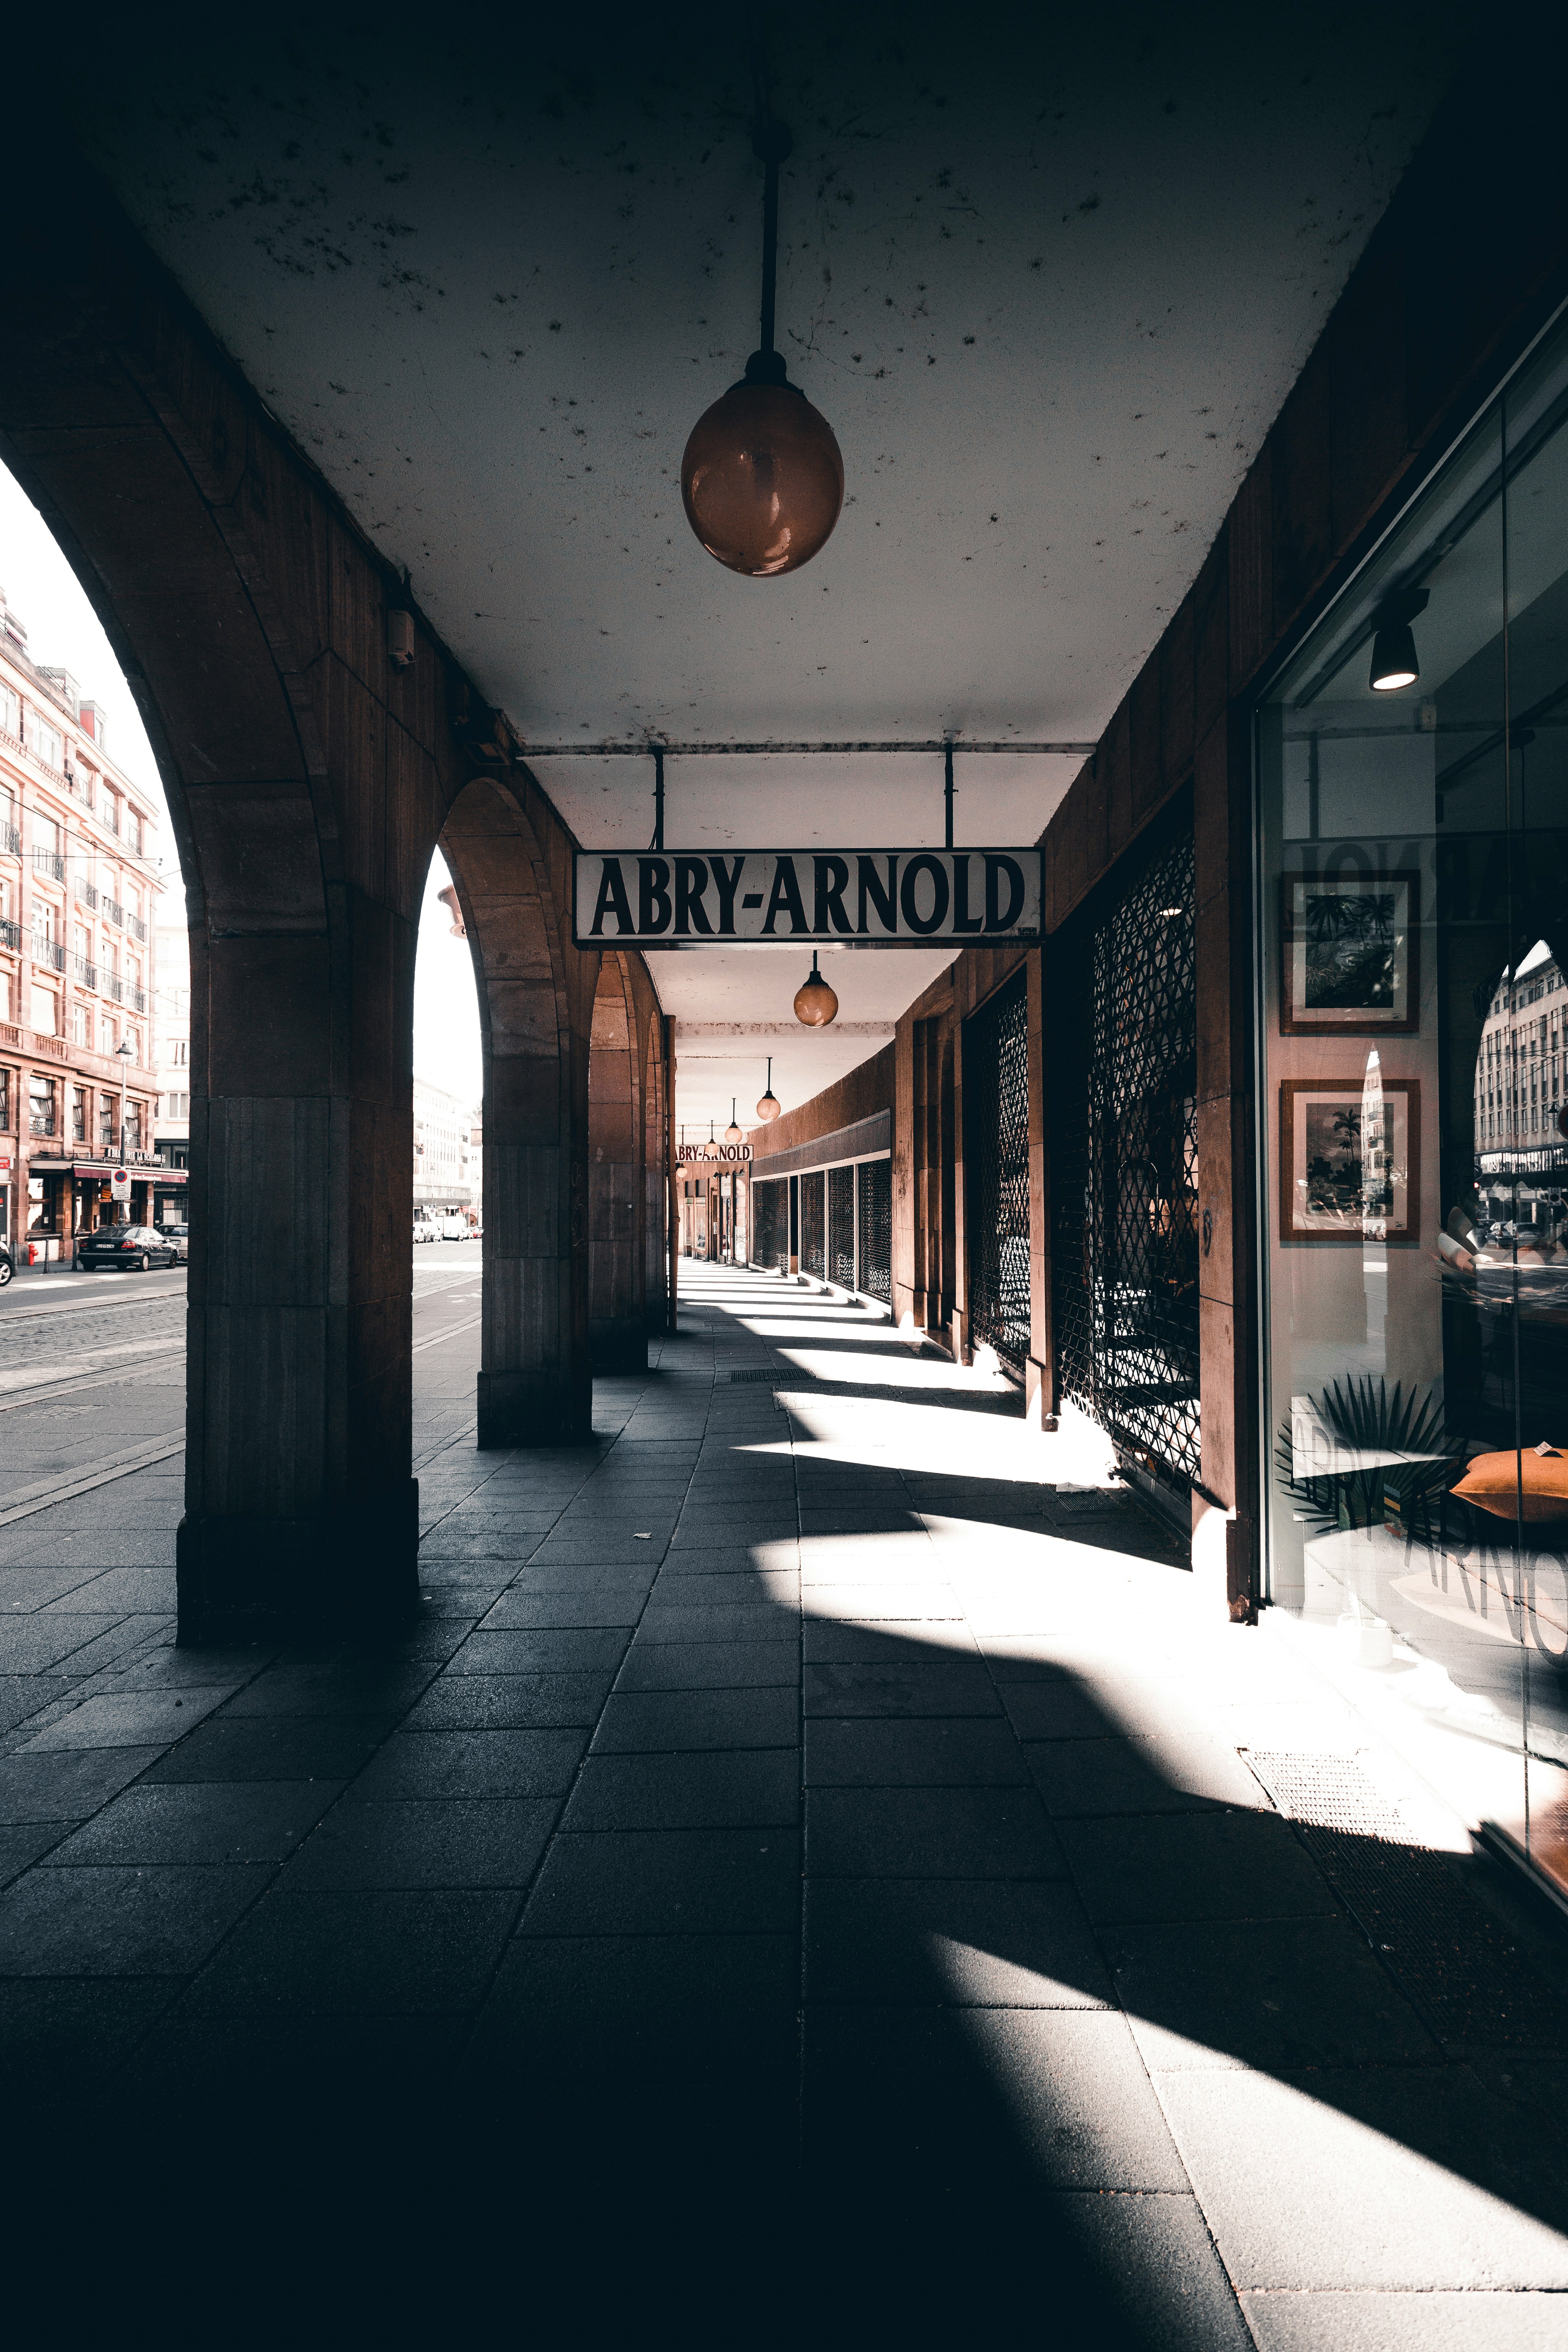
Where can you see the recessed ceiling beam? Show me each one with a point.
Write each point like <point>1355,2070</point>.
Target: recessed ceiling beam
<point>771,751</point>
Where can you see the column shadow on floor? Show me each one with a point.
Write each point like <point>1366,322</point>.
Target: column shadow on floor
<point>476,1962</point>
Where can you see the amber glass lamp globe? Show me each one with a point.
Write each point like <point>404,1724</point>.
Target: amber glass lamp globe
<point>770,1106</point>
<point>815,1002</point>
<point>762,478</point>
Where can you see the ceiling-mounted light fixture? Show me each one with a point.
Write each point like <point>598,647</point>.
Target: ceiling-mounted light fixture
<point>763,478</point>
<point>770,1106</point>
<point>815,1002</point>
<point>733,1132</point>
<point>1393,661</point>
<point>710,1149</point>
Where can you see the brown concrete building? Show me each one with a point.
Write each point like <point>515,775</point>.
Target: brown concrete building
<point>79,898</point>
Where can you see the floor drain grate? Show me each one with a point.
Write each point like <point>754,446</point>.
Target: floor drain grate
<point>1444,1948</point>
<point>774,1380</point>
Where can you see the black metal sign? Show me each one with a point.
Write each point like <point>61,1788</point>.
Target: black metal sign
<point>765,897</point>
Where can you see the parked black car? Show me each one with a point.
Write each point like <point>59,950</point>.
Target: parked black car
<point>8,1263</point>
<point>129,1247</point>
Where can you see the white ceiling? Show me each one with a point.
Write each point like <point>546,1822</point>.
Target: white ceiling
<point>1049,283</point>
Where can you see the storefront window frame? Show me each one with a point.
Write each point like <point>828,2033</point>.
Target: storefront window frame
<point>1341,590</point>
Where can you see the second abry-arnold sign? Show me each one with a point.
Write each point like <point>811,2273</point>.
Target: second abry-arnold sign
<point>878,898</point>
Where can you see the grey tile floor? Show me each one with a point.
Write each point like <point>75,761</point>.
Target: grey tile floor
<point>801,1874</point>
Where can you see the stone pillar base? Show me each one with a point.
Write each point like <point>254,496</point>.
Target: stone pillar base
<point>534,1409</point>
<point>354,1569</point>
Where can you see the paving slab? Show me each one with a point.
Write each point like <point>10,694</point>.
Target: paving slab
<point>435,1764</point>
<point>669,1881</point>
<point>654,1722</point>
<point>121,1921</point>
<point>965,1832</point>
<point>1384,2177</point>
<point>731,1789</point>
<point>201,1822</point>
<point>1425,2321</point>
<point>320,1952</point>
<point>963,1943</point>
<point>480,1842</point>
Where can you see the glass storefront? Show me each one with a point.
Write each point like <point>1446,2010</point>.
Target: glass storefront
<point>1413,769</point>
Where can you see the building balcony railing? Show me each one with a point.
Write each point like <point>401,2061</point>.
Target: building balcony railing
<point>136,998</point>
<point>10,935</point>
<point>134,924</point>
<point>114,911</point>
<point>111,984</point>
<point>48,951</point>
<point>10,841</point>
<point>83,892</point>
<point>85,972</point>
<point>110,812</point>
<point>50,862</point>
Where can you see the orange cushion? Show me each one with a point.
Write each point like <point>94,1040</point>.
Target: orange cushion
<point>1527,1486</point>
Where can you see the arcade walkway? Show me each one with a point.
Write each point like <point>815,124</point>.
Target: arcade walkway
<point>810,1846</point>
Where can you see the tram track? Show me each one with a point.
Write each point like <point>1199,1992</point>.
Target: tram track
<point>41,1385</point>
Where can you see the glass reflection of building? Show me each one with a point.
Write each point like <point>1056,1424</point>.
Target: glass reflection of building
<point>1415,852</point>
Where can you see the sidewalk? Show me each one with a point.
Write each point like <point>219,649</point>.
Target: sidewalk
<point>810,1839</point>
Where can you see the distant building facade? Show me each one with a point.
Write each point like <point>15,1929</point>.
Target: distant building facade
<point>79,891</point>
<point>1520,1071</point>
<point>172,1053</point>
<point>446,1150</point>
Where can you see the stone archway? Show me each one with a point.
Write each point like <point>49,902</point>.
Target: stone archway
<point>306,776</point>
<point>311,753</point>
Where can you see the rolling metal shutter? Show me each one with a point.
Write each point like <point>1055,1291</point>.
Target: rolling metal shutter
<point>1124,1171</point>
<point>875,1181</point>
<point>841,1227</point>
<point>996,1111</point>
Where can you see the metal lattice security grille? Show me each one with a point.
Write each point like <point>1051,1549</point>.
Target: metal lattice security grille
<point>1124,1164</point>
<point>770,1222</point>
<point>841,1227</point>
<point>813,1228</point>
<point>996,1099</point>
<point>875,1179</point>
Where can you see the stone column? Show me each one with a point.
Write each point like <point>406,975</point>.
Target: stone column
<point>617,1254</point>
<point>535,1384</point>
<point>656,1288</point>
<point>300,1507</point>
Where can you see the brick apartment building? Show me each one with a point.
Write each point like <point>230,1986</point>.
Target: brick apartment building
<point>78,951</point>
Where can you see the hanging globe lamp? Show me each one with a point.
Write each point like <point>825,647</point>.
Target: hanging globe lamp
<point>815,1002</point>
<point>762,478</point>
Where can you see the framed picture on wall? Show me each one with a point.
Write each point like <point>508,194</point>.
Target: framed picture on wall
<point>1350,1160</point>
<point>1350,948</point>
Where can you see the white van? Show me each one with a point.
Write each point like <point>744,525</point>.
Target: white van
<point>455,1227</point>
